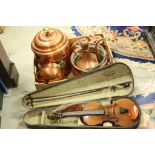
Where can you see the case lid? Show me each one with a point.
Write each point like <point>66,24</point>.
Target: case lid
<point>112,81</point>
<point>48,41</point>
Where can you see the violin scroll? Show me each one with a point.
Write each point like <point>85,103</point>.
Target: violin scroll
<point>54,116</point>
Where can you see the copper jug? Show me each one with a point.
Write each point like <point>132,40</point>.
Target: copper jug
<point>88,54</point>
<point>52,55</point>
<point>50,72</point>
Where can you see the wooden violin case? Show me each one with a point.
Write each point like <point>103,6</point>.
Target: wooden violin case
<point>105,86</point>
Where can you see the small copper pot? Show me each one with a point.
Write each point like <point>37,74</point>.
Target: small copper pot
<point>50,72</point>
<point>51,49</point>
<point>88,55</point>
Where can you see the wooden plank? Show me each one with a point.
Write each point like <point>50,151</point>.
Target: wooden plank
<point>8,71</point>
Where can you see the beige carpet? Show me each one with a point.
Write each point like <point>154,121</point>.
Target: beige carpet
<point>17,43</point>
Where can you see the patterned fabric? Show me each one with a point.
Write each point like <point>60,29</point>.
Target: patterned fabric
<point>125,43</point>
<point>129,46</point>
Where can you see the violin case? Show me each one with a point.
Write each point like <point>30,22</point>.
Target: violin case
<point>103,85</point>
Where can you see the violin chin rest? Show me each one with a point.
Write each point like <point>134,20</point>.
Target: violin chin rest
<point>133,112</point>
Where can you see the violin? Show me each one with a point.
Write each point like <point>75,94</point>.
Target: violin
<point>122,112</point>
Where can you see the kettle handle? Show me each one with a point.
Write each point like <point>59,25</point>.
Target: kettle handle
<point>96,48</point>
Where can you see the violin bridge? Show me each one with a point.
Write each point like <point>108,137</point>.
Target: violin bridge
<point>114,120</point>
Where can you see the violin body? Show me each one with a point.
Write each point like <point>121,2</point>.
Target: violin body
<point>113,114</point>
<point>122,112</point>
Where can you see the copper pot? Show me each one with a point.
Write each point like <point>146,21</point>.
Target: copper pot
<point>51,46</point>
<point>87,55</point>
<point>50,72</point>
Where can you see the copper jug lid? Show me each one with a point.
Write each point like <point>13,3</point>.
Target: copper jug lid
<point>48,41</point>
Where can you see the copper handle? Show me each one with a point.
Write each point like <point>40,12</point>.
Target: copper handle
<point>47,31</point>
<point>96,48</point>
<point>83,43</point>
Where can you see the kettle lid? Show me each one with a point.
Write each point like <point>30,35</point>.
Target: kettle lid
<point>48,41</point>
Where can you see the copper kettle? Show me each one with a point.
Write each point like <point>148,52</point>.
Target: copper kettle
<point>51,49</point>
<point>50,72</point>
<point>88,54</point>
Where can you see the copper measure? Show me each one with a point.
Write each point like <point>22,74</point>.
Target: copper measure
<point>88,54</point>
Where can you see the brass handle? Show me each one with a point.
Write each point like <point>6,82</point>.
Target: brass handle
<point>47,31</point>
<point>96,48</point>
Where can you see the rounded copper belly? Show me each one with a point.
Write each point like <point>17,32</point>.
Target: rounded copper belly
<point>50,72</point>
<point>88,62</point>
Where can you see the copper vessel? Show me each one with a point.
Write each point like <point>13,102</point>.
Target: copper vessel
<point>88,54</point>
<point>50,72</point>
<point>52,55</point>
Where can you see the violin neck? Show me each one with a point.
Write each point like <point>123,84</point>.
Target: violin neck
<point>84,113</point>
